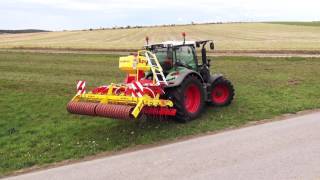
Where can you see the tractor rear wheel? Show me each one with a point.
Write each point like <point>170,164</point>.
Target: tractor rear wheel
<point>188,99</point>
<point>222,92</point>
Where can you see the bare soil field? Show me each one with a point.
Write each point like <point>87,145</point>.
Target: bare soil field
<point>228,37</point>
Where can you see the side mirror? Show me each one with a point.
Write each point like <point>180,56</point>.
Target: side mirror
<point>212,45</point>
<point>197,45</point>
<point>209,62</point>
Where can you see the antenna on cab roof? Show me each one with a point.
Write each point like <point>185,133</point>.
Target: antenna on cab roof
<point>184,37</point>
<point>147,40</point>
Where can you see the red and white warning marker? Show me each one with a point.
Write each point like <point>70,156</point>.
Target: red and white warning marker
<point>81,87</point>
<point>137,89</point>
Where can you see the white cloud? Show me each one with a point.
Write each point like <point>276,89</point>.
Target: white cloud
<point>64,4</point>
<point>97,13</point>
<point>177,4</point>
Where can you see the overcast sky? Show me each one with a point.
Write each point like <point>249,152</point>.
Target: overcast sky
<point>80,14</point>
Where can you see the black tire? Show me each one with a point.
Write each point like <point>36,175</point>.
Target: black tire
<point>227,88</point>
<point>177,95</point>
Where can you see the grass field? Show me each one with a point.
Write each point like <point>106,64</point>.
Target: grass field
<point>35,128</point>
<point>241,36</point>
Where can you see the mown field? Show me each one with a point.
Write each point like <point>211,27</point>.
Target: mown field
<point>238,36</point>
<point>297,23</point>
<point>35,128</point>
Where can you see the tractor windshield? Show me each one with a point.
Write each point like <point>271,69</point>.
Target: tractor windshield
<point>164,56</point>
<point>185,56</point>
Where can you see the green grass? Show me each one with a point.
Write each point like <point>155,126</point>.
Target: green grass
<point>35,128</point>
<point>297,23</point>
<point>236,36</point>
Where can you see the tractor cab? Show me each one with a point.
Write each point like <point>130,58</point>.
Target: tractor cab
<point>175,53</point>
<point>182,54</point>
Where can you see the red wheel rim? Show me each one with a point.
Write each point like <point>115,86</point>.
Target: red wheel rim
<point>192,98</point>
<point>220,93</point>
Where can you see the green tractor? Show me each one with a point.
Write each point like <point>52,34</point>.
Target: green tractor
<point>191,86</point>
<point>165,80</point>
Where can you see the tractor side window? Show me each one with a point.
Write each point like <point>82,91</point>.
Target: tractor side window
<point>185,55</point>
<point>164,57</point>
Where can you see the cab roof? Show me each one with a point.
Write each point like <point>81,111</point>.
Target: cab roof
<point>171,44</point>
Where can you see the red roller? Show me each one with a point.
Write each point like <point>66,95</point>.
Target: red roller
<point>114,111</point>
<point>84,108</point>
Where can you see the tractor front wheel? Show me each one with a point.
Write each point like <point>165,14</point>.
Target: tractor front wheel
<point>188,99</point>
<point>222,92</point>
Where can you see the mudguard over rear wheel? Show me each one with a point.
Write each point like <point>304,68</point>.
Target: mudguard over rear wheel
<point>188,99</point>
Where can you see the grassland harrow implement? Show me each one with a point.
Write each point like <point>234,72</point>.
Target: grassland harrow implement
<point>129,100</point>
